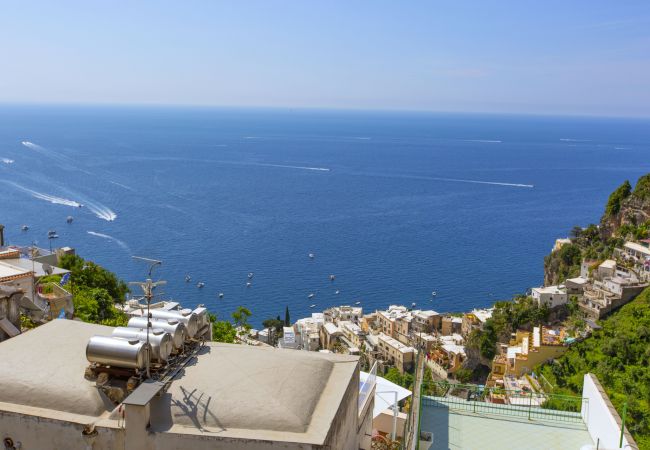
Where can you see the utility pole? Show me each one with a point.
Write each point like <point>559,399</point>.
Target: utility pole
<point>147,288</point>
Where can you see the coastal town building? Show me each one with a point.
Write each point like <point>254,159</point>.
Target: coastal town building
<point>41,300</point>
<point>330,335</point>
<point>9,312</point>
<point>396,353</point>
<point>451,325</point>
<point>449,354</point>
<point>395,322</point>
<point>220,399</point>
<point>308,332</point>
<point>550,296</point>
<point>343,313</point>
<point>425,321</point>
<point>527,349</point>
<point>353,333</point>
<point>474,320</point>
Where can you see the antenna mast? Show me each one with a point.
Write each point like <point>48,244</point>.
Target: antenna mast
<point>147,288</point>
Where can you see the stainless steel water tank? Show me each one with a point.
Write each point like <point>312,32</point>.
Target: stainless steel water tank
<point>185,316</point>
<point>160,340</point>
<point>175,328</point>
<point>117,352</point>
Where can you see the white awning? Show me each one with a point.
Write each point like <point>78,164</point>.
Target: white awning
<point>384,393</point>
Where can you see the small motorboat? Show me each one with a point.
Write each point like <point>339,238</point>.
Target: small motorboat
<point>220,294</point>
<point>188,278</point>
<point>310,296</point>
<point>337,292</point>
<point>413,305</point>
<point>248,284</point>
<point>250,275</point>
<point>51,233</point>
<point>200,284</point>
<point>434,293</point>
<point>312,306</point>
<point>357,303</point>
<point>312,256</point>
<point>69,219</point>
<point>332,277</point>
<point>24,228</point>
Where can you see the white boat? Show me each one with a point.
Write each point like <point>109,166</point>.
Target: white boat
<point>220,294</point>
<point>434,293</point>
<point>200,284</point>
<point>312,306</point>
<point>248,284</point>
<point>69,219</point>
<point>310,296</point>
<point>337,292</point>
<point>332,278</point>
<point>24,228</point>
<point>413,305</point>
<point>188,278</point>
<point>357,303</point>
<point>311,256</point>
<point>250,275</point>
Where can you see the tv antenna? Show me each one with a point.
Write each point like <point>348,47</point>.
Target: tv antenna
<point>148,287</point>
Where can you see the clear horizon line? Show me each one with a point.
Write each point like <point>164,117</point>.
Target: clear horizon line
<point>162,105</point>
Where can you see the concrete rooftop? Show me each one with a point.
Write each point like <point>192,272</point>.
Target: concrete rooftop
<point>464,430</point>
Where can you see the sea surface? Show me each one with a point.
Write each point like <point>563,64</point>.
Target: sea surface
<point>395,205</point>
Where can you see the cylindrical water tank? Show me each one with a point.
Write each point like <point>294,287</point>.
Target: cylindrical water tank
<point>160,340</point>
<point>111,351</point>
<point>175,328</point>
<point>202,313</point>
<point>185,316</point>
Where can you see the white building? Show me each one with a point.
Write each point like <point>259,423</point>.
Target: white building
<point>219,400</point>
<point>550,296</point>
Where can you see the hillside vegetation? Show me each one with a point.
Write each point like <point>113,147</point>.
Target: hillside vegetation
<point>619,355</point>
<point>626,216</point>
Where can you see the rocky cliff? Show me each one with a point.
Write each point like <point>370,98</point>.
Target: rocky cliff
<point>626,216</point>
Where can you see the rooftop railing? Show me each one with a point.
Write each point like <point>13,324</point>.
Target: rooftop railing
<point>496,401</point>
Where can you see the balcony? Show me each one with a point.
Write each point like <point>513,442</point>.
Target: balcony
<point>52,298</point>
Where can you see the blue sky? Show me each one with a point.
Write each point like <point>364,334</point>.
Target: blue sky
<point>550,57</point>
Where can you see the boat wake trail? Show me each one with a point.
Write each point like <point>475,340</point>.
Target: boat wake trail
<point>495,183</point>
<point>101,211</point>
<point>574,140</point>
<point>7,160</point>
<point>32,146</point>
<point>284,166</point>
<point>111,238</point>
<point>48,198</point>
<point>485,141</point>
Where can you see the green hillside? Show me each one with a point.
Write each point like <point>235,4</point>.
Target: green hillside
<point>619,355</point>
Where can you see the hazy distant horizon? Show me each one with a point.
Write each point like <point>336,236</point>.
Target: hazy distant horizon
<point>561,58</point>
<point>288,108</point>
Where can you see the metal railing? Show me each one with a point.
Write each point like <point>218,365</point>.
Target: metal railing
<point>502,402</point>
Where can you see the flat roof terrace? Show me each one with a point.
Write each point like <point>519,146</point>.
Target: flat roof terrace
<point>455,429</point>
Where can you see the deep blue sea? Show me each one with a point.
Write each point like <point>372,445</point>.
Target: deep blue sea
<point>396,205</point>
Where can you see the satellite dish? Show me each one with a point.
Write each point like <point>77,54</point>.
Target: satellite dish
<point>47,269</point>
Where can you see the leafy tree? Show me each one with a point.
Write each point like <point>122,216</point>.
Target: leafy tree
<point>96,306</point>
<point>274,326</point>
<point>87,274</point>
<point>240,317</point>
<point>616,198</point>
<point>223,331</point>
